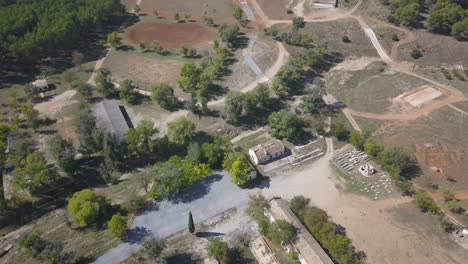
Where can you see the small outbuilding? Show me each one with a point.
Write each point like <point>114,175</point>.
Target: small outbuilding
<point>112,117</point>
<point>41,85</point>
<point>267,151</point>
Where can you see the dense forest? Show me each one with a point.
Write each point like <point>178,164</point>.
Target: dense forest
<point>34,29</point>
<point>443,16</point>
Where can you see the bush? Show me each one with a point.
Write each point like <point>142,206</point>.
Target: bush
<point>298,22</point>
<point>454,206</point>
<point>416,53</point>
<point>426,203</point>
<point>33,244</point>
<point>281,231</point>
<point>345,39</point>
<point>298,205</point>
<point>395,37</point>
<point>86,207</point>
<point>118,226</point>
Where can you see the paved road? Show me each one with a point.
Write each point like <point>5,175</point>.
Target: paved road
<point>205,199</point>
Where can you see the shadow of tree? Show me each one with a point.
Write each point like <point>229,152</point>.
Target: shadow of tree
<point>136,235</point>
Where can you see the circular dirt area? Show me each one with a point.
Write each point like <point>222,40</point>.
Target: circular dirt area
<point>171,35</point>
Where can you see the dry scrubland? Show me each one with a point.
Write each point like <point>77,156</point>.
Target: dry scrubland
<point>446,130</point>
<point>276,9</point>
<point>371,89</point>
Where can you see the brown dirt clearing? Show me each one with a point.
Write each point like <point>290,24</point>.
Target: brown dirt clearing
<point>171,35</point>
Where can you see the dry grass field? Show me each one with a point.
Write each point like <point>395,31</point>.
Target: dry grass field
<point>439,143</point>
<point>276,9</point>
<point>217,9</point>
<point>332,32</point>
<point>170,34</point>
<point>371,89</point>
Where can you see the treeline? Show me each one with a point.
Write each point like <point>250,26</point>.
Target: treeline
<point>329,235</point>
<point>445,16</point>
<point>31,30</point>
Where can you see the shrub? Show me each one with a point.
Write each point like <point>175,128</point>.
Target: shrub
<point>426,203</point>
<point>395,37</point>
<point>33,244</point>
<point>416,53</point>
<point>118,226</point>
<point>345,39</point>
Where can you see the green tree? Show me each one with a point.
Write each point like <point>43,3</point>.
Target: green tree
<point>33,174</point>
<point>340,131</point>
<point>454,206</point>
<point>262,92</point>
<point>189,77</point>
<point>426,203</point>
<point>89,135</point>
<point>153,248</point>
<point>284,124</point>
<point>86,207</point>
<point>182,130</point>
<point>213,153</point>
<point>118,226</point>
<point>33,243</point>
<point>408,14</point>
<point>63,151</point>
<point>289,80</point>
<point>176,17</point>
<point>77,58</point>
<point>53,254</point>
<point>104,83</point>
<point>281,231</point>
<point>217,249</point>
<point>298,205</point>
<point>114,39</point>
<point>140,139</point>
<point>191,225</point>
<point>444,16</point>
<point>163,94</point>
<point>448,195</point>
<point>30,114</point>
<point>229,34</point>
<point>85,91</point>
<point>194,152</point>
<point>238,167</point>
<point>128,92</point>
<point>373,149</point>
<point>313,104</point>
<point>237,13</point>
<point>234,106</point>
<point>298,22</point>
<point>460,29</point>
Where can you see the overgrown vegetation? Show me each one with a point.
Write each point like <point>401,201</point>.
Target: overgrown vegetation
<point>330,236</point>
<point>445,16</point>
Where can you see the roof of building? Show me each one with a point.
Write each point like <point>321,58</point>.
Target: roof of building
<point>268,148</point>
<point>305,243</point>
<point>40,83</point>
<point>110,117</point>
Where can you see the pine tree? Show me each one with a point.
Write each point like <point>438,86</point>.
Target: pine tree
<point>191,226</point>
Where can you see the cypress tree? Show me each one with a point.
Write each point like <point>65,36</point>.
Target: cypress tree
<point>191,226</point>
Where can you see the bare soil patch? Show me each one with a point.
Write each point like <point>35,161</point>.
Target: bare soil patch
<point>418,96</point>
<point>171,35</point>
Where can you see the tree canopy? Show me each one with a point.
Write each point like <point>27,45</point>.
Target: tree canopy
<point>285,124</point>
<point>86,207</point>
<point>31,30</point>
<point>118,226</point>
